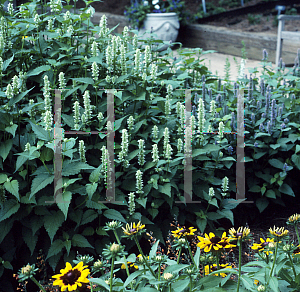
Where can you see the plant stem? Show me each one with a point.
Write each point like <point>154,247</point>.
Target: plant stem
<point>240,264</point>
<point>145,260</point>
<point>275,255</point>
<point>297,232</point>
<point>179,255</point>
<point>111,273</point>
<point>159,270</point>
<point>294,271</point>
<point>38,284</point>
<point>191,254</point>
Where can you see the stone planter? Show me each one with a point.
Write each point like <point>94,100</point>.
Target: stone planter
<point>164,26</point>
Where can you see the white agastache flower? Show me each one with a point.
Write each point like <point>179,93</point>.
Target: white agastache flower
<point>148,56</point>
<point>155,154</point>
<point>82,151</point>
<point>15,84</point>
<point>48,120</point>
<point>100,117</point>
<point>95,71</point>
<point>94,49</point>
<point>155,132</point>
<point>181,118</point>
<point>166,139</point>
<point>103,26</point>
<point>212,109</point>
<point>30,112</point>
<point>124,145</point>
<point>221,130</point>
<point>1,66</point>
<point>125,34</point>
<point>123,60</point>
<point>137,61</point>
<point>114,48</point>
<point>193,124</point>
<point>169,91</point>
<point>130,123</point>
<point>87,105</point>
<point>70,30</point>
<point>50,24</point>
<point>178,109</point>
<point>62,80</point>
<point>139,182</point>
<point>188,139</point>
<point>2,43</point>
<point>67,16</point>
<point>167,107</point>
<point>179,145</point>
<point>169,152</point>
<point>37,20</point>
<point>109,60</point>
<point>10,9</point>
<point>76,115</point>
<point>225,186</point>
<point>22,82</point>
<point>135,42</point>
<point>211,192</point>
<point>83,119</point>
<point>209,128</point>
<point>201,115</point>
<point>242,69</point>
<point>144,77</point>
<point>27,147</point>
<point>153,71</point>
<point>105,163</point>
<point>108,79</point>
<point>141,154</point>
<point>9,92</point>
<point>131,204</point>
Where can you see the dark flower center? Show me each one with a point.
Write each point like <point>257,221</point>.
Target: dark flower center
<point>132,230</point>
<point>215,239</point>
<point>182,231</point>
<point>214,268</point>
<point>264,244</point>
<point>71,277</point>
<point>278,233</point>
<point>239,234</point>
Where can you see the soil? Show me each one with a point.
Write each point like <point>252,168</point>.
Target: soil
<point>261,21</point>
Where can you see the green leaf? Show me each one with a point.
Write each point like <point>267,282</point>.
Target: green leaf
<point>91,189</point>
<point>80,241</point>
<point>227,214</point>
<point>72,168</point>
<point>274,284</point>
<point>297,149</point>
<point>55,248</point>
<point>175,268</point>
<point>10,207</point>
<point>114,215</point>
<point>85,80</point>
<point>153,249</point>
<point>5,147</point>
<point>40,132</point>
<point>88,216</point>
<point>7,265</point>
<point>20,161</point>
<point>270,194</point>
<point>3,178</point>
<point>53,222</point>
<point>13,188</point>
<point>276,163</point>
<point>201,223</point>
<point>165,189</point>
<point>29,238</point>
<point>296,160</point>
<point>63,203</point>
<point>262,204</point>
<point>95,175</point>
<point>247,281</point>
<point>230,203</point>
<point>7,62</point>
<point>18,97</point>
<point>100,282</point>
<point>132,277</point>
<point>38,70</point>
<point>40,182</point>
<point>12,129</point>
<point>68,244</point>
<point>47,154</point>
<point>286,189</point>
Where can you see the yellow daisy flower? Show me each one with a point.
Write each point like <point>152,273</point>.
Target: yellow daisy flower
<point>278,232</point>
<point>130,264</point>
<point>211,241</point>
<point>183,232</point>
<point>294,219</point>
<point>242,232</point>
<point>261,246</point>
<point>214,268</point>
<point>71,278</point>
<point>133,229</point>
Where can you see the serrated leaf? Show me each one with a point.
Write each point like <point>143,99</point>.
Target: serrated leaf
<point>18,97</point>
<point>94,176</point>
<point>7,265</point>
<point>286,189</point>
<point>88,216</point>
<point>262,204</point>
<point>68,244</point>
<point>20,161</point>
<point>10,207</point>
<point>72,168</point>
<point>53,222</point>
<point>63,203</point>
<point>40,182</point>
<point>7,62</point>
<point>38,70</point>
<point>40,132</point>
<point>55,248</point>
<point>80,241</point>
<point>165,189</point>
<point>5,147</point>
<point>3,178</point>
<point>85,80</point>
<point>276,163</point>
<point>91,189</point>
<point>114,215</point>
<point>201,223</point>
<point>29,238</point>
<point>13,188</point>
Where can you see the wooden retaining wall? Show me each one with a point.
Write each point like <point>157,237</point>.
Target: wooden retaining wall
<point>221,39</point>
